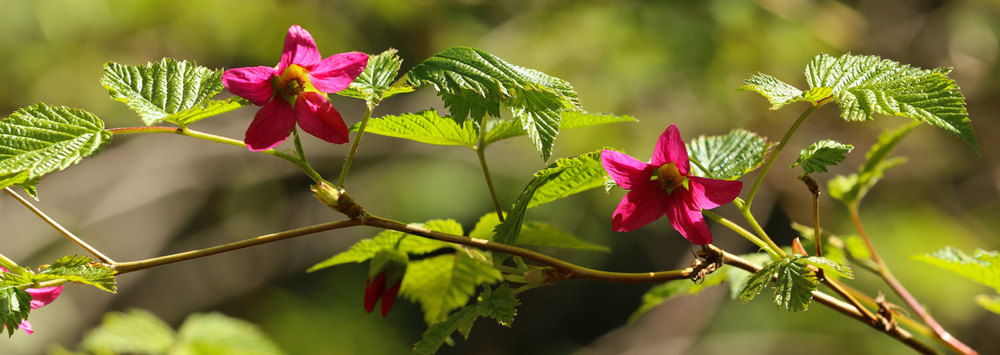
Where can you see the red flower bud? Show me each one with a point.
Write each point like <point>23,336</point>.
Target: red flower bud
<point>385,276</point>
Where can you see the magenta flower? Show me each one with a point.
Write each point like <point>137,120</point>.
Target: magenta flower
<point>675,193</point>
<point>39,297</point>
<point>294,92</point>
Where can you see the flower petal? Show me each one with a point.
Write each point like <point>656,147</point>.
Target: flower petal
<point>338,71</point>
<point>670,149</point>
<point>389,298</point>
<point>318,117</point>
<point>270,126</point>
<point>687,220</point>
<point>711,193</point>
<point>625,170</point>
<point>43,296</point>
<point>373,291</point>
<point>299,49</point>
<point>639,207</point>
<point>251,83</point>
<point>26,327</point>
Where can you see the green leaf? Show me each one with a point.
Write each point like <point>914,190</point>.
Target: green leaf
<point>991,303</point>
<point>830,266</point>
<point>446,282</point>
<point>425,127</point>
<point>738,277</point>
<point>376,82</point>
<point>852,188</point>
<point>500,130</point>
<point>793,287</point>
<point>215,333</point>
<point>80,269</point>
<point>135,332</point>
<point>508,231</point>
<point>41,139</point>
<point>728,156</point>
<point>667,290</point>
<point>500,304</point>
<point>866,85</point>
<point>535,234</point>
<point>206,110</point>
<point>389,240</point>
<point>982,267</point>
<point>474,84</point>
<point>162,91</point>
<point>780,94</point>
<point>576,174</point>
<point>15,304</point>
<point>857,248</point>
<point>821,154</point>
<point>14,178</point>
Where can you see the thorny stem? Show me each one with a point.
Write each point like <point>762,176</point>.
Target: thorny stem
<point>481,153</point>
<point>184,131</point>
<point>38,212</point>
<point>890,279</point>
<point>130,266</point>
<point>354,145</point>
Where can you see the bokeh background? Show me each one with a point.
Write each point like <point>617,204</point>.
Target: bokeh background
<point>662,62</point>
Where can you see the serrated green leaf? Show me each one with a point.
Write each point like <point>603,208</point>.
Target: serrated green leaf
<point>758,281</point>
<point>508,231</point>
<point>866,85</point>
<point>793,286</point>
<point>162,91</point>
<point>474,84</point>
<point>206,110</point>
<point>580,173</point>
<point>852,188</point>
<point>982,267</point>
<point>446,282</point>
<point>425,127</point>
<point>389,240</point>
<point>991,303</point>
<point>41,139</point>
<point>500,130</point>
<point>80,269</point>
<point>15,304</point>
<point>738,278</point>
<point>436,334</point>
<point>728,156</point>
<point>215,333</point>
<point>14,178</point>
<point>830,266</point>
<point>667,290</point>
<point>135,332</point>
<point>500,304</point>
<point>822,154</point>
<point>376,82</point>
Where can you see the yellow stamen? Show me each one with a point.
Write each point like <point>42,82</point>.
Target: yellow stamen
<point>670,177</point>
<point>292,82</point>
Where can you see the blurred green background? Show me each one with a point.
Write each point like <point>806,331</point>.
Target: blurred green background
<point>662,62</point>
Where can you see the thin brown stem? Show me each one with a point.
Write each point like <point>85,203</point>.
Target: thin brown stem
<point>38,212</point>
<point>903,293</point>
<point>130,266</point>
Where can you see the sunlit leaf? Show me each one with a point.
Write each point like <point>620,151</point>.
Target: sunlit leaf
<point>991,303</point>
<point>737,278</point>
<point>982,267</point>
<point>209,109</point>
<point>41,139</point>
<point>535,234</point>
<point>135,332</point>
<point>80,269</point>
<point>425,127</point>
<point>779,94</point>
<point>215,333</point>
<point>852,188</point>
<point>500,130</point>
<point>500,304</point>
<point>793,285</point>
<point>376,82</point>
<point>728,156</point>
<point>446,282</point>
<point>162,91</point>
<point>580,173</point>
<point>475,84</point>
<point>393,240</point>
<point>508,231</point>
<point>818,156</point>
<point>15,304</point>
<point>830,266</point>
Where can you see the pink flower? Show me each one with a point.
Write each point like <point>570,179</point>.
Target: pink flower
<point>39,297</point>
<point>675,193</point>
<point>294,92</point>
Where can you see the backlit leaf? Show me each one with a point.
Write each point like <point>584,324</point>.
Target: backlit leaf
<point>500,304</point>
<point>444,283</point>
<point>215,333</point>
<point>389,239</point>
<point>580,173</point>
<point>500,130</point>
<point>425,127</point>
<point>134,332</point>
<point>982,267</point>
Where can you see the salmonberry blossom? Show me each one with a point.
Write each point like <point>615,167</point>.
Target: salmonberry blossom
<point>293,92</point>
<point>675,193</point>
<point>39,297</point>
<point>385,276</point>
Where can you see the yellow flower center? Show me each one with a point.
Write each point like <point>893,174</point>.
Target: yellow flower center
<point>292,82</point>
<point>670,177</point>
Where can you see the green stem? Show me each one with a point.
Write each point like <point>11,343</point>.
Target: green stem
<point>775,153</point>
<point>481,153</point>
<point>903,293</point>
<point>739,230</point>
<point>184,131</point>
<point>8,264</point>
<point>38,212</point>
<point>697,163</point>
<point>354,145</point>
<point>130,266</point>
<point>773,248</point>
